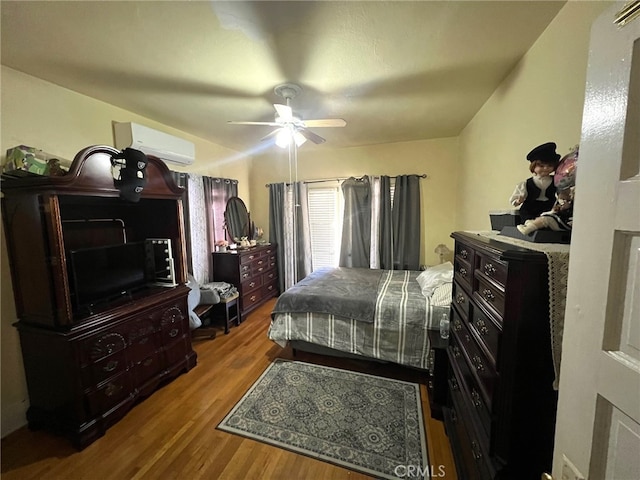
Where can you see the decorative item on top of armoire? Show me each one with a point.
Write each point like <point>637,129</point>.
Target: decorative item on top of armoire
<point>97,331</point>
<point>253,271</point>
<point>501,406</point>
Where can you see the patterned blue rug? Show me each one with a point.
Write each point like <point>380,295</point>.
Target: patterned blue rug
<point>365,423</point>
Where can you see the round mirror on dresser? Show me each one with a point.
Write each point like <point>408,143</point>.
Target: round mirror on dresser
<point>237,221</point>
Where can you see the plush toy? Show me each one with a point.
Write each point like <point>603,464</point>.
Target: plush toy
<point>560,216</point>
<point>537,194</point>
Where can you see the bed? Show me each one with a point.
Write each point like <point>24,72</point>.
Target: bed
<point>378,314</point>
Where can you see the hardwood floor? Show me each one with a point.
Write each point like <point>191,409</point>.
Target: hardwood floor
<point>172,433</point>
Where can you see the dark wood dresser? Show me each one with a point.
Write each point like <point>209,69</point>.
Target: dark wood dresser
<point>253,271</point>
<point>501,405</point>
<point>92,348</point>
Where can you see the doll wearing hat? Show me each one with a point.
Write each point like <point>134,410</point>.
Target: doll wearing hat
<point>537,194</point>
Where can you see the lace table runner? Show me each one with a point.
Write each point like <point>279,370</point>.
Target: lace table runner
<point>558,267</point>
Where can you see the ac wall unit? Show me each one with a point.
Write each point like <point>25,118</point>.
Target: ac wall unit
<point>153,142</point>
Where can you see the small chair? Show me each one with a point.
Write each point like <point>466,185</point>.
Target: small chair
<point>229,310</point>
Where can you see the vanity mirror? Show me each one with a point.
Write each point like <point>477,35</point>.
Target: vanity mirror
<point>237,220</point>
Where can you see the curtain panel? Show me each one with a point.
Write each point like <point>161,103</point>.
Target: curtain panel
<point>289,230</point>
<point>406,223</point>
<point>355,249</point>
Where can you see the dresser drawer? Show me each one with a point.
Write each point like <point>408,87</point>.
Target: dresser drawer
<point>109,394</point>
<point>482,374</point>
<point>103,344</point>
<point>465,253</point>
<point>491,296</point>
<point>269,289</point>
<point>463,272</point>
<point>460,300</point>
<point>471,447</point>
<point>469,382</point>
<point>269,276</point>
<point>492,268</point>
<point>104,368</point>
<point>251,298</point>
<point>487,331</point>
<point>172,324</point>
<point>249,257</point>
<point>253,283</point>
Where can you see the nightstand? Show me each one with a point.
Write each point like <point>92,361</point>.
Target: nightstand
<point>438,367</point>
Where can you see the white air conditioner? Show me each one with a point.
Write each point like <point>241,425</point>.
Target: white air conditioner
<point>153,142</point>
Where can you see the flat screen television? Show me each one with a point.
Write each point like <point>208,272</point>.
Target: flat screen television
<point>102,274</point>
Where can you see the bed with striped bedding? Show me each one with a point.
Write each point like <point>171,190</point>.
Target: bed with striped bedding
<point>397,331</point>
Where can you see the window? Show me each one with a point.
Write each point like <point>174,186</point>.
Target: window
<point>325,219</point>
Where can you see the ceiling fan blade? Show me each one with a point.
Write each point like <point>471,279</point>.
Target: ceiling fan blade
<point>284,112</point>
<point>325,122</point>
<point>269,135</point>
<point>309,135</point>
<point>270,124</point>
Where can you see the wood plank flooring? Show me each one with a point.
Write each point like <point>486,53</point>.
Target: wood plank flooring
<point>172,434</point>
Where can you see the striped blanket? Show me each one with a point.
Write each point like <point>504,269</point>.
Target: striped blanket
<point>398,333</point>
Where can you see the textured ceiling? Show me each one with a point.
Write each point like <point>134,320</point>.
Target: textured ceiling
<point>395,71</point>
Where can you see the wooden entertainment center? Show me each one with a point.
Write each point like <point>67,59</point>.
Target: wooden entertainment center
<point>91,349</point>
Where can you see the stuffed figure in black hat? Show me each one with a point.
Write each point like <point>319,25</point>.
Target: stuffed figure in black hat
<point>537,194</point>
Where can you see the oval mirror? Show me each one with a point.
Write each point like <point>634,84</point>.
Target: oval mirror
<point>236,218</point>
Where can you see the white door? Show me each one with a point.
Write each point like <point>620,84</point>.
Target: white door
<point>598,424</point>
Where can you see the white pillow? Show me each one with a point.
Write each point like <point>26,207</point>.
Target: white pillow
<point>435,276</point>
<point>193,300</point>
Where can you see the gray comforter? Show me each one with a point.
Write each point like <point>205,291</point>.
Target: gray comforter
<point>344,292</point>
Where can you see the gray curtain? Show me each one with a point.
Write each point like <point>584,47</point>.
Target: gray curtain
<point>385,242</point>
<point>356,225</point>
<point>406,223</point>
<point>289,230</point>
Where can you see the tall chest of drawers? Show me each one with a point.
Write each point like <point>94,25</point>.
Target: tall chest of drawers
<point>253,271</point>
<point>500,410</point>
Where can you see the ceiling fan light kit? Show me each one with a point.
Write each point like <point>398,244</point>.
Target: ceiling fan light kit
<point>290,127</point>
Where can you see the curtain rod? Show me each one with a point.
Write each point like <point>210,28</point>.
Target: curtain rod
<point>424,175</point>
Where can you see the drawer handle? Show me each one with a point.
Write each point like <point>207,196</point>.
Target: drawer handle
<point>464,254</point>
<point>260,262</point>
<point>482,327</point>
<point>252,298</point>
<point>173,332</point>
<point>112,389</point>
<point>475,450</point>
<point>111,366</point>
<point>475,396</point>
<point>460,299</point>
<point>270,276</point>
<point>245,276</point>
<point>252,284</point>
<point>488,294</point>
<point>477,362</point>
<point>457,325</point>
<point>456,351</point>
<point>270,287</point>
<point>147,362</point>
<point>245,268</point>
<point>251,257</point>
<point>463,271</point>
<point>261,269</point>
<point>489,269</point>
<point>454,384</point>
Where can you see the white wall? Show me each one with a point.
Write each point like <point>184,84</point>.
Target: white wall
<point>540,101</point>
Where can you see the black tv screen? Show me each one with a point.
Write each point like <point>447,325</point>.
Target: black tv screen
<point>103,273</point>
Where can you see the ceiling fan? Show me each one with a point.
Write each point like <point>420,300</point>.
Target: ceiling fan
<point>290,127</point>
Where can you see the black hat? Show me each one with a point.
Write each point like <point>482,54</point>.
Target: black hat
<point>545,152</point>
<point>132,179</point>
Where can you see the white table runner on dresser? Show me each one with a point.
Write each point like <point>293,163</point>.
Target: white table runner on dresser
<point>558,266</point>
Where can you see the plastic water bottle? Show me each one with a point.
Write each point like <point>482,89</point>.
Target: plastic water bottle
<point>444,326</point>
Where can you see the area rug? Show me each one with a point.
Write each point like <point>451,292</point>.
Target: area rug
<point>365,423</point>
